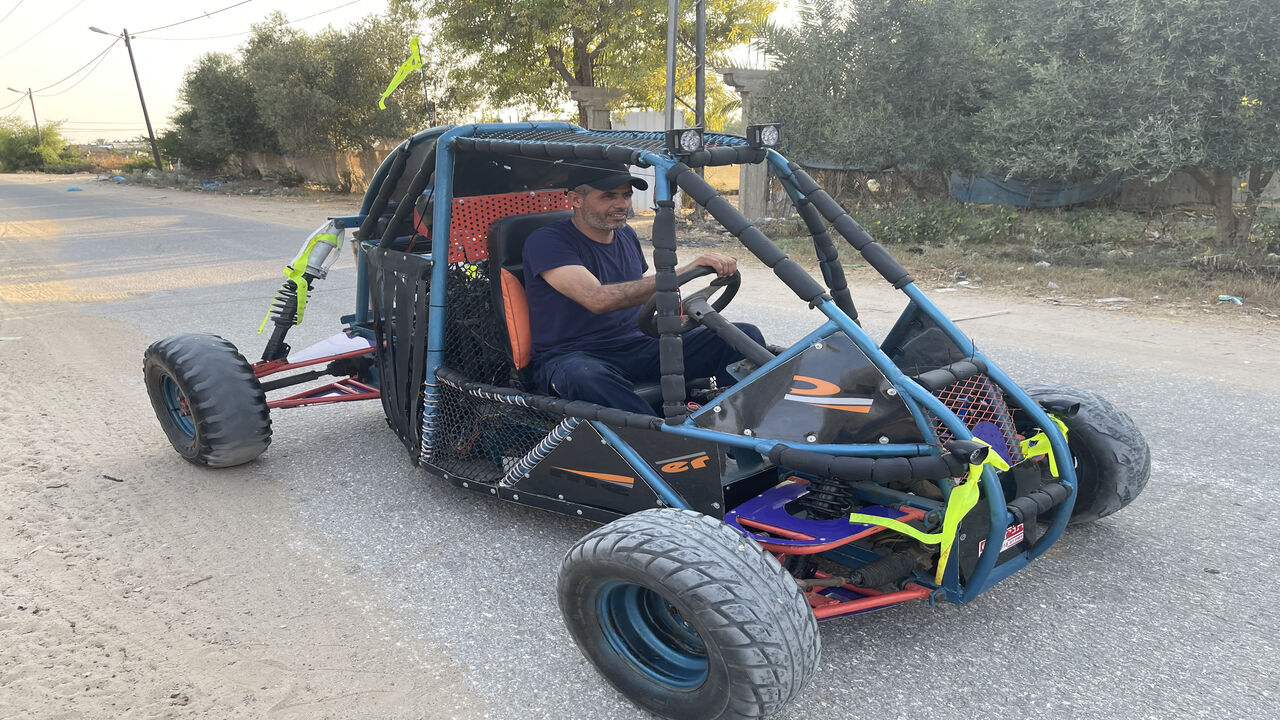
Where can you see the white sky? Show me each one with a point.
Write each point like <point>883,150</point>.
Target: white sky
<point>44,41</point>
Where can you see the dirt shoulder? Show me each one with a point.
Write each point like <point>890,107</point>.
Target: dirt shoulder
<point>130,585</point>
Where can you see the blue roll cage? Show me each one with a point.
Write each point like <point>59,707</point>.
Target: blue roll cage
<point>919,400</point>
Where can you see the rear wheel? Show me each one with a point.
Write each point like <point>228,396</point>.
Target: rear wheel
<point>1112,459</point>
<point>207,400</point>
<point>687,618</point>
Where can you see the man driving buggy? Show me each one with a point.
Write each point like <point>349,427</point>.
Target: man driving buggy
<point>584,278</point>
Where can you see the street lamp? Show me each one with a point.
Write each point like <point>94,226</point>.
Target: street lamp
<point>155,148</point>
<point>34,119</point>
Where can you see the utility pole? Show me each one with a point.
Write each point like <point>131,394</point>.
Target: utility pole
<point>700,62</point>
<point>34,119</point>
<point>673,16</point>
<point>700,69</point>
<point>155,148</point>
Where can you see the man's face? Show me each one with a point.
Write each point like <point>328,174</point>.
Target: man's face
<point>603,209</point>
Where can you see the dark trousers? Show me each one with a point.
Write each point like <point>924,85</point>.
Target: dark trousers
<point>608,377</point>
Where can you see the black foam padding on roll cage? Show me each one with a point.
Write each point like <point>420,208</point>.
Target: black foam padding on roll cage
<point>935,380</point>
<point>725,155</point>
<point>416,186</point>
<point>749,235</point>
<point>1028,507</point>
<point>388,186</point>
<point>863,469</point>
<point>556,406</point>
<point>828,259</point>
<point>874,253</point>
<point>667,300</point>
<point>551,151</point>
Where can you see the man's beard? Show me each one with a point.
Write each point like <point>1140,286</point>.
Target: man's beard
<point>601,221</point>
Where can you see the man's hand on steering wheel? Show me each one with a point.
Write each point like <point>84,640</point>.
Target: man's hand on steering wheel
<point>729,279</point>
<point>724,265</point>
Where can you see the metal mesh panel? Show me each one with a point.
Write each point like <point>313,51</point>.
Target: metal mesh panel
<point>483,439</point>
<point>974,400</point>
<point>476,438</point>
<point>471,217</point>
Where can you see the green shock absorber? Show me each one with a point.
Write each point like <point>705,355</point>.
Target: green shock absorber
<point>312,263</point>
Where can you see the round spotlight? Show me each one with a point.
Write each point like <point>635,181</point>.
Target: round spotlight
<point>690,141</point>
<point>769,135</point>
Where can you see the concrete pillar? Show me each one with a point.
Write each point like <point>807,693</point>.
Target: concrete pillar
<point>596,101</point>
<point>753,180</point>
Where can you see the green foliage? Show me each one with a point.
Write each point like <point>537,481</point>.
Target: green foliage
<point>531,51</point>
<point>138,163</point>
<point>879,84</point>
<point>1040,88</point>
<point>23,150</point>
<point>218,116</point>
<point>288,91</point>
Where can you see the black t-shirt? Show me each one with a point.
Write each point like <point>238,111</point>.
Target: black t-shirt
<point>558,323</point>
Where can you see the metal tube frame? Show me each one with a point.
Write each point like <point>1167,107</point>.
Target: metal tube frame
<point>920,401</point>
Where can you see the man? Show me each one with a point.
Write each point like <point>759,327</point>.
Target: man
<point>584,278</point>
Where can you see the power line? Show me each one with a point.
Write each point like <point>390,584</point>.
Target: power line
<point>15,102</point>
<point>102,56</point>
<point>246,32</point>
<point>198,17</point>
<point>46,27</point>
<point>15,7</point>
<point>72,73</point>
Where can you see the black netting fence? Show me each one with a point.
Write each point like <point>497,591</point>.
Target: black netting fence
<point>475,437</point>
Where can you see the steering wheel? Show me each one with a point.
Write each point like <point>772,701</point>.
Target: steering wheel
<point>648,318</point>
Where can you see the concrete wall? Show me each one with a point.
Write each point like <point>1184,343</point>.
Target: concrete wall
<point>331,170</point>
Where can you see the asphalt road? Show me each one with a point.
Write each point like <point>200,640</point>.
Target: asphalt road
<point>1163,610</point>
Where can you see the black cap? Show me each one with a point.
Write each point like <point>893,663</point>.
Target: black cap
<point>603,175</point>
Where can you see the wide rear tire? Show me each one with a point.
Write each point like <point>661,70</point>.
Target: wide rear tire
<point>1112,459</point>
<point>207,400</point>
<point>687,618</point>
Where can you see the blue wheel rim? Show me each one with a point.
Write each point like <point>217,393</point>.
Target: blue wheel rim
<point>179,409</point>
<point>647,631</point>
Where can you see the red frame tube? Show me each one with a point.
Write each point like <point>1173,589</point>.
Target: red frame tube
<point>342,390</point>
<point>871,602</point>
<point>262,369</point>
<point>912,513</point>
<point>348,389</point>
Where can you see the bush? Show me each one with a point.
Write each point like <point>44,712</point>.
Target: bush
<point>138,163</point>
<point>22,149</point>
<point>1265,234</point>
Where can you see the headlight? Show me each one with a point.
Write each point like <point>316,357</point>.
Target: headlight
<point>764,136</point>
<point>684,141</point>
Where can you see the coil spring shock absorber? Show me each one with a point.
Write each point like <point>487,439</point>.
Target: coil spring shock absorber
<point>312,263</point>
<point>284,314</point>
<point>827,499</point>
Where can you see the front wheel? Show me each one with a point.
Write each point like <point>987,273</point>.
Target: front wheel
<point>687,618</point>
<point>207,399</point>
<point>1112,459</point>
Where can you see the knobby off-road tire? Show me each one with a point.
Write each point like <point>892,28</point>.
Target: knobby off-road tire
<point>1112,459</point>
<point>207,400</point>
<point>687,618</point>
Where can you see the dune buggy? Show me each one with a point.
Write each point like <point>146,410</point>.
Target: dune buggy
<point>836,476</point>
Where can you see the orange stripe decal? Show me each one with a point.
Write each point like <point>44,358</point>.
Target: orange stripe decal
<point>820,387</point>
<point>620,479</point>
<point>846,408</point>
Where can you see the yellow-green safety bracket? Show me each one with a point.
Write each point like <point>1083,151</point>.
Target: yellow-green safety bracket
<point>963,498</point>
<point>413,63</point>
<point>1038,444</point>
